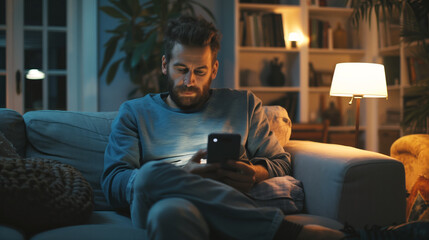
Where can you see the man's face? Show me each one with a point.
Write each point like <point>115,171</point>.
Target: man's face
<point>190,73</point>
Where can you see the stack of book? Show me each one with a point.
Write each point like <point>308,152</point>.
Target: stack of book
<point>258,29</point>
<point>319,33</point>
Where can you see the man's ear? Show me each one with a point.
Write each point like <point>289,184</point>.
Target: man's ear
<point>164,65</point>
<point>215,68</point>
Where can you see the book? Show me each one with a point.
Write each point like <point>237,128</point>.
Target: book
<point>319,33</point>
<point>280,37</point>
<point>392,69</point>
<point>417,70</point>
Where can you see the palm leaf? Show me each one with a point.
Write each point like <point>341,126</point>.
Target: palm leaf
<point>113,12</point>
<point>121,6</point>
<point>109,51</point>
<point>143,50</point>
<point>113,69</point>
<point>204,8</point>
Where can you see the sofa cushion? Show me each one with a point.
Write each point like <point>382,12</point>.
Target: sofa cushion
<point>13,127</point>
<point>280,123</point>
<point>75,138</point>
<point>10,233</point>
<point>42,194</point>
<point>109,217</point>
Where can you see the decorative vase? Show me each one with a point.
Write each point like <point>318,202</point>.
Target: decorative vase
<point>275,76</point>
<point>340,37</point>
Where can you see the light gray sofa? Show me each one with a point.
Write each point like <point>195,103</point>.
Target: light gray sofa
<point>341,184</point>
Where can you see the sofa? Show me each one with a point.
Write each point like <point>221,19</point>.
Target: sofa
<point>342,184</point>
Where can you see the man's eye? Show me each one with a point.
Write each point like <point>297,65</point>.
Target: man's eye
<point>182,70</point>
<point>200,73</point>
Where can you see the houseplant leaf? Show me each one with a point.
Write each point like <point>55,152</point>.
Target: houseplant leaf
<point>110,50</point>
<point>123,6</point>
<point>113,12</point>
<point>112,71</point>
<point>204,8</point>
<point>143,49</point>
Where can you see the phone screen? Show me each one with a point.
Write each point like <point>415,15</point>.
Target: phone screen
<point>222,147</point>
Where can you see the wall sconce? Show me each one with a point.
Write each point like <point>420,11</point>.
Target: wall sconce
<point>294,37</point>
<point>35,74</point>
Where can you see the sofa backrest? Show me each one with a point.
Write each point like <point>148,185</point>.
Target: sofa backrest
<point>75,138</point>
<point>80,138</point>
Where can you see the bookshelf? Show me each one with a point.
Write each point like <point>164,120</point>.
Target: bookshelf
<point>307,68</point>
<point>267,64</point>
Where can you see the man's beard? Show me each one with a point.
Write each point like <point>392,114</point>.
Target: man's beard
<point>191,102</point>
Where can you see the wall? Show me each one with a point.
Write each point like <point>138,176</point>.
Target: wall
<point>113,95</point>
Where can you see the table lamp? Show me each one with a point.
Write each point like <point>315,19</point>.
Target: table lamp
<point>294,38</point>
<point>359,80</point>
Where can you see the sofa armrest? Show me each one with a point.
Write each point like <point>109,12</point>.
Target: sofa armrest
<point>349,184</point>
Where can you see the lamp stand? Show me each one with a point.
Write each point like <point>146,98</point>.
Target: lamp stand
<point>357,121</point>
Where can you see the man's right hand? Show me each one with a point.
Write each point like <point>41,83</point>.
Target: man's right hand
<point>204,170</point>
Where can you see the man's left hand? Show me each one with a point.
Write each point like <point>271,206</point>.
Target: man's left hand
<point>243,177</point>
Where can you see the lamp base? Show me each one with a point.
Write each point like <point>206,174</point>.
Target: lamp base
<point>357,122</point>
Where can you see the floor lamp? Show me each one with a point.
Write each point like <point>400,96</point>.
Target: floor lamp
<point>359,80</point>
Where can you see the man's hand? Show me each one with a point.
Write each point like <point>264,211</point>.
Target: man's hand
<point>242,178</point>
<point>204,170</point>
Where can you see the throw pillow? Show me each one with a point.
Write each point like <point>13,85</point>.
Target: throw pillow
<point>39,194</point>
<point>285,193</point>
<point>280,123</point>
<point>6,148</point>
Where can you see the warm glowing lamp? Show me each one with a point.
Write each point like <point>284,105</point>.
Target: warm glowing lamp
<point>293,38</point>
<point>359,80</point>
<point>35,74</point>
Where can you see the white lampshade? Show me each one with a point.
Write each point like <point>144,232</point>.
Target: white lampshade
<point>354,79</point>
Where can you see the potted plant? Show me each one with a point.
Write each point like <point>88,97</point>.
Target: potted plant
<point>414,29</point>
<point>140,35</point>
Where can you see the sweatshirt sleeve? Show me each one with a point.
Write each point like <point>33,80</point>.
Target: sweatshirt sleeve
<point>262,144</point>
<point>121,159</point>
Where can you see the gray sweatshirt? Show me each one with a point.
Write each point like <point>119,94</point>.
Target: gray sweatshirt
<point>147,129</point>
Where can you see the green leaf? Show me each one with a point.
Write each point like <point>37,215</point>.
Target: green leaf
<point>205,9</point>
<point>144,49</point>
<point>113,12</point>
<point>109,51</point>
<point>135,7</point>
<point>112,71</point>
<point>123,6</point>
<point>119,30</point>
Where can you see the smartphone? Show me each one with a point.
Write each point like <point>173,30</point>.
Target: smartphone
<point>222,147</point>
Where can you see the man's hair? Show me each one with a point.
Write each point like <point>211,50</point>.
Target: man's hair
<point>191,31</point>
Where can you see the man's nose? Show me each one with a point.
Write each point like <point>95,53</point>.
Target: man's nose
<point>189,79</point>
